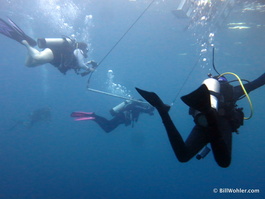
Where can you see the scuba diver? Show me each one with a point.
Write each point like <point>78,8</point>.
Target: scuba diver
<point>39,115</point>
<point>216,116</point>
<point>125,113</point>
<point>64,53</point>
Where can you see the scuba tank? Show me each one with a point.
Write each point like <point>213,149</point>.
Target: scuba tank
<point>53,42</point>
<point>214,87</point>
<point>119,108</point>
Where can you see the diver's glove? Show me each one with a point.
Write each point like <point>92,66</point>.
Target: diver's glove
<point>93,67</point>
<point>85,73</point>
<point>93,64</point>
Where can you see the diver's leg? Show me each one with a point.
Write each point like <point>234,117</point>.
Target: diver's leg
<point>103,123</point>
<point>221,142</point>
<point>184,151</point>
<point>35,57</point>
<point>108,125</point>
<point>174,136</point>
<point>197,139</point>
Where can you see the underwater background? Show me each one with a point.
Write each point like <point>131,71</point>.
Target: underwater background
<point>162,53</point>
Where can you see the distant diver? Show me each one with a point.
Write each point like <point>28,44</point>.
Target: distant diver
<point>125,113</point>
<point>64,53</point>
<point>216,115</point>
<point>37,116</point>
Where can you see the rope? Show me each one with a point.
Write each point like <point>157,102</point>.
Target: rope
<point>88,81</point>
<point>185,81</point>
<point>191,73</point>
<point>121,38</point>
<point>126,32</point>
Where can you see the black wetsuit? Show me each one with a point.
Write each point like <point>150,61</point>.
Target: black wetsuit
<point>127,116</point>
<point>219,130</point>
<point>64,58</point>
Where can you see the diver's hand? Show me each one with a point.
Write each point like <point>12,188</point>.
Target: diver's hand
<point>93,63</point>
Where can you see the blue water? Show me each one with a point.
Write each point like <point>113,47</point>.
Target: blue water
<point>66,159</point>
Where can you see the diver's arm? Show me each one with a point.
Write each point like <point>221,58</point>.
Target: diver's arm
<point>80,59</point>
<point>260,81</point>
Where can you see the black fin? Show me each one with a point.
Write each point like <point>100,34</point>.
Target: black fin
<point>198,99</point>
<point>153,99</point>
<point>14,32</point>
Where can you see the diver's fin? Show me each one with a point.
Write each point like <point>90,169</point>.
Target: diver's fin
<point>81,114</point>
<point>153,99</point>
<point>14,32</point>
<point>198,99</point>
<point>84,118</point>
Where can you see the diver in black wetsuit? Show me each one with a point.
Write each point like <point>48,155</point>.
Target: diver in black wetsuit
<point>213,124</point>
<point>125,113</point>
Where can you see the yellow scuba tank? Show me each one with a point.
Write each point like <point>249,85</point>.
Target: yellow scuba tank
<point>119,108</point>
<point>52,42</point>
